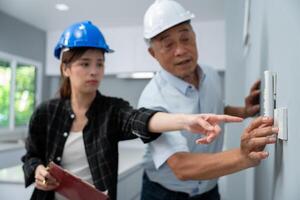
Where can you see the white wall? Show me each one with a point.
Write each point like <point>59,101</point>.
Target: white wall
<point>274,45</point>
<point>282,30</point>
<point>235,185</point>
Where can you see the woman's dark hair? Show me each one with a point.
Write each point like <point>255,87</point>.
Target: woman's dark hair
<point>68,57</point>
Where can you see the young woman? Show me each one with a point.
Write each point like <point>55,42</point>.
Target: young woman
<point>80,130</point>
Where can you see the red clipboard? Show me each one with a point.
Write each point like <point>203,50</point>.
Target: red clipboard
<point>73,187</point>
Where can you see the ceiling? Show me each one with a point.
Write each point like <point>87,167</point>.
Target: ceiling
<point>43,15</point>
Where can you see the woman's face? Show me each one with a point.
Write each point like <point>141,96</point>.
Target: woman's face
<point>86,72</point>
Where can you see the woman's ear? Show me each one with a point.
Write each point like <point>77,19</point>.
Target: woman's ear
<point>65,70</point>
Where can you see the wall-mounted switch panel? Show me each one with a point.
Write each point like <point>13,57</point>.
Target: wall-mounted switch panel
<point>281,121</point>
<point>269,97</point>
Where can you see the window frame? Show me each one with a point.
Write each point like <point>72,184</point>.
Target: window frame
<point>13,133</point>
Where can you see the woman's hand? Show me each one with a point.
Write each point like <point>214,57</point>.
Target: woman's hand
<point>207,124</point>
<point>44,180</point>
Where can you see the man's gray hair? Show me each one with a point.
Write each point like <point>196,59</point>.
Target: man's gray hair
<point>148,42</point>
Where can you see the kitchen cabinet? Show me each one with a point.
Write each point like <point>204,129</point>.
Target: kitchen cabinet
<point>131,51</point>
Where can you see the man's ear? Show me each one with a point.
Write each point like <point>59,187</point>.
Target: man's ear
<point>151,51</point>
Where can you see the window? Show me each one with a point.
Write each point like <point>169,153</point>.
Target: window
<point>19,93</point>
<point>5,75</point>
<point>24,93</point>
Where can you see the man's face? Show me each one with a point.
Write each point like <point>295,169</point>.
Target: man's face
<point>176,51</point>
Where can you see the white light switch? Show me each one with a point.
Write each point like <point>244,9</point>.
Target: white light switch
<point>281,121</point>
<point>269,103</point>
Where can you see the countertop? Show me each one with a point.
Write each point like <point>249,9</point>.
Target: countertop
<point>8,146</point>
<point>130,158</point>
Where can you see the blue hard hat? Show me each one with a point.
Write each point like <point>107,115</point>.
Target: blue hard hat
<point>82,34</point>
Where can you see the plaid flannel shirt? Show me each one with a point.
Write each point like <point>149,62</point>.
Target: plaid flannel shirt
<point>110,120</point>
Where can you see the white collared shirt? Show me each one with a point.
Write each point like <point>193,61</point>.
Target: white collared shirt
<point>167,92</point>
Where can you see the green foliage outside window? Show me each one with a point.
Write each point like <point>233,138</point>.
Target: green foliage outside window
<point>24,96</point>
<point>5,74</point>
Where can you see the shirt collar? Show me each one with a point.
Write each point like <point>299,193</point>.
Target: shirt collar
<point>68,106</point>
<point>92,109</point>
<point>180,84</point>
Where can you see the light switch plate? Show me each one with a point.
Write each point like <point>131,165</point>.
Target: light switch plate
<point>269,97</point>
<point>281,121</point>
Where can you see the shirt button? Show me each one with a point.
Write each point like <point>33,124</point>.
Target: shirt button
<point>58,158</point>
<point>65,134</point>
<point>72,116</point>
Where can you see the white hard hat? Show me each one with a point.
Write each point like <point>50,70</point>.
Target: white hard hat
<point>162,15</point>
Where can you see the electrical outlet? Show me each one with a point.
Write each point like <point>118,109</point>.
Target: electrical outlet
<point>281,121</point>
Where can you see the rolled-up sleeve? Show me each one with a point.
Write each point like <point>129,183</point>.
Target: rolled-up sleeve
<point>140,125</point>
<point>134,122</point>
